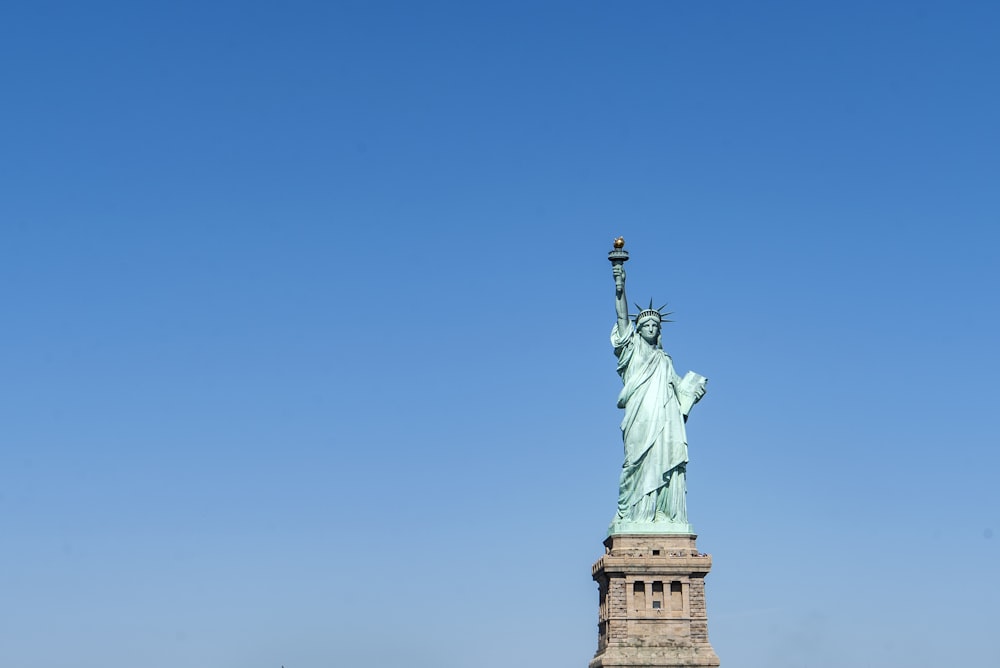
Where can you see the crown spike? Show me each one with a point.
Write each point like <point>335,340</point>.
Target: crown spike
<point>658,313</point>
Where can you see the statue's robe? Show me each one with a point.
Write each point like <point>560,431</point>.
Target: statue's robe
<point>656,402</point>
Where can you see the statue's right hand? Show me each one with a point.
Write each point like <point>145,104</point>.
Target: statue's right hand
<point>618,271</point>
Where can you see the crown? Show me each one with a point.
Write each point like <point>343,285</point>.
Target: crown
<point>658,313</point>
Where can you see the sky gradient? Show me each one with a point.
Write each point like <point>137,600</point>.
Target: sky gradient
<point>305,352</point>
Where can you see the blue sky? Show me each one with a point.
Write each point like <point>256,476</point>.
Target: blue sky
<point>305,351</point>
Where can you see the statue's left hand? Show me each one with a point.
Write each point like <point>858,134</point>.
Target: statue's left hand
<point>699,391</point>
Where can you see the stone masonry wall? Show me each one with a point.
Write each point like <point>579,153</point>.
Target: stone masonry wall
<point>699,616</point>
<point>652,603</point>
<point>617,611</point>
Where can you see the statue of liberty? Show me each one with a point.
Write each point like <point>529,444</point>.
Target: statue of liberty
<point>653,488</point>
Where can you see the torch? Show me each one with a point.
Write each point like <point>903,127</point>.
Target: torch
<point>618,256</point>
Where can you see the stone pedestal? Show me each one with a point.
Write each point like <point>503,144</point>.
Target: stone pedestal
<point>652,593</point>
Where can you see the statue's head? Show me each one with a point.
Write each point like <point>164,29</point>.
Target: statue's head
<point>649,322</point>
<point>649,329</point>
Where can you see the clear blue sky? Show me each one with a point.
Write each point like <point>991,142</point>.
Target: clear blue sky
<point>305,352</point>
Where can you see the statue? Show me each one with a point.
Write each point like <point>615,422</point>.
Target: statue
<point>653,487</point>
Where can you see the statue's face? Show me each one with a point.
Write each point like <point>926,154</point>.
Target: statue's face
<point>649,331</point>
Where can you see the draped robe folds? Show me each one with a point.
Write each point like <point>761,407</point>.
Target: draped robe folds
<point>656,401</point>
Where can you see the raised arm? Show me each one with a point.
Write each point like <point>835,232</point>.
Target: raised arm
<point>621,305</point>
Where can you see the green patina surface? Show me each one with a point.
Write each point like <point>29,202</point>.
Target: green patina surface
<point>652,493</point>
